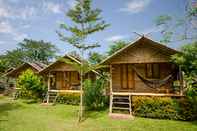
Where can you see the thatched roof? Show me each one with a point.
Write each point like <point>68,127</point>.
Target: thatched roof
<point>35,66</point>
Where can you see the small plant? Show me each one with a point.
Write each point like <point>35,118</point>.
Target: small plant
<point>31,85</point>
<point>94,98</point>
<point>69,98</point>
<point>163,108</point>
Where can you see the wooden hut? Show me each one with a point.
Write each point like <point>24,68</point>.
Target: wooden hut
<point>34,66</point>
<point>62,77</point>
<point>13,73</point>
<point>143,68</point>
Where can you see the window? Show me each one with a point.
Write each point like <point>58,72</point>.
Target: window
<point>152,71</point>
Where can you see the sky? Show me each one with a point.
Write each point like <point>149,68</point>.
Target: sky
<point>40,19</point>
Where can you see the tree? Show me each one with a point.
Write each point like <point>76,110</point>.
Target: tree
<point>38,50</point>
<point>28,51</point>
<point>178,29</point>
<point>117,45</point>
<point>187,60</point>
<point>86,21</point>
<point>95,58</point>
<point>13,58</point>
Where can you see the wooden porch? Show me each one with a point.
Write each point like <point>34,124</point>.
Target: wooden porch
<point>128,79</point>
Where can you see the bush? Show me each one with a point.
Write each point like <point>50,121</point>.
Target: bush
<point>69,98</point>
<point>94,98</point>
<point>163,108</point>
<point>31,85</point>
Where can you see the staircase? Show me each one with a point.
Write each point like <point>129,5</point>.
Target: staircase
<point>50,97</point>
<point>120,104</point>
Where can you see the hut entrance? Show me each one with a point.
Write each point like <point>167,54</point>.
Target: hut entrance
<point>123,77</point>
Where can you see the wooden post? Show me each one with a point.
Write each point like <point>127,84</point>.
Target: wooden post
<point>181,80</point>
<point>130,108</point>
<point>111,91</point>
<point>48,87</point>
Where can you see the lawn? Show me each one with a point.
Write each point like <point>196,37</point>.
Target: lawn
<point>20,116</point>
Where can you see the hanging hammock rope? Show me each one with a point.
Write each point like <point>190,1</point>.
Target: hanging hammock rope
<point>154,83</point>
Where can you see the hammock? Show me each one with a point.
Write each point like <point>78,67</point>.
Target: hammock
<point>154,83</point>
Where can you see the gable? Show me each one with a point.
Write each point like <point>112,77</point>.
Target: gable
<point>142,51</point>
<point>60,66</point>
<point>16,72</point>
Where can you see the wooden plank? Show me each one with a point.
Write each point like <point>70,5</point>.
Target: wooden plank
<point>124,76</point>
<point>65,91</point>
<point>131,81</point>
<point>144,94</point>
<point>111,90</point>
<point>121,108</point>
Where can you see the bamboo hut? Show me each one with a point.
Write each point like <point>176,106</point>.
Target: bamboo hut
<point>13,73</point>
<point>143,67</point>
<point>62,77</point>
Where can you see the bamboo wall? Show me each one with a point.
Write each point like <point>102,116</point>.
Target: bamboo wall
<point>65,80</point>
<point>141,53</point>
<point>125,79</point>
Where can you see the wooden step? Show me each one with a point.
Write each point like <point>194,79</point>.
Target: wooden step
<point>120,108</point>
<point>121,103</point>
<point>115,97</point>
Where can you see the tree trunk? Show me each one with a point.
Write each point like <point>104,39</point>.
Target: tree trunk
<point>81,97</point>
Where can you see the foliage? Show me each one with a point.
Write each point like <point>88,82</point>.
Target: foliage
<point>117,45</point>
<point>95,58</point>
<point>3,66</point>
<point>187,60</point>
<point>30,83</point>
<point>94,98</point>
<point>28,51</point>
<point>12,58</point>
<point>40,51</point>
<point>176,28</point>
<point>86,21</point>
<point>71,99</point>
<point>163,108</point>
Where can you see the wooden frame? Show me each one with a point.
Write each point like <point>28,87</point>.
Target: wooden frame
<point>152,70</point>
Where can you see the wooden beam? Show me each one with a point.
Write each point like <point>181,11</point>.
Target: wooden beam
<point>111,90</point>
<point>181,80</point>
<point>145,94</point>
<point>66,91</point>
<point>49,83</point>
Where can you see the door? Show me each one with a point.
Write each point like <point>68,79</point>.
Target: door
<point>127,75</point>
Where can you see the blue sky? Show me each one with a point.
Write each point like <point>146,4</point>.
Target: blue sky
<point>39,19</point>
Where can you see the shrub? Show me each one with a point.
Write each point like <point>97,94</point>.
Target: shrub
<point>69,98</point>
<point>31,85</point>
<point>163,108</point>
<point>94,98</point>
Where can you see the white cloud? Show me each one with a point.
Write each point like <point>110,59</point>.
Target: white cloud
<point>6,28</point>
<point>71,3</point>
<point>116,37</point>
<point>53,7</point>
<point>135,6</point>
<point>19,36</point>
<point>2,42</point>
<point>13,12</point>
<point>3,12</point>
<point>149,30</point>
<point>27,12</point>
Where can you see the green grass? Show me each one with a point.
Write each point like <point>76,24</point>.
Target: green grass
<point>19,116</point>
